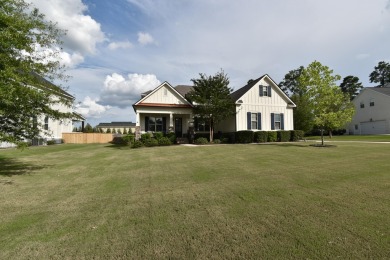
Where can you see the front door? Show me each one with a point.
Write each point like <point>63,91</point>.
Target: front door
<point>178,127</point>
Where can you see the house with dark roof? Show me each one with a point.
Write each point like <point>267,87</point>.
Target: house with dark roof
<point>372,112</point>
<point>260,105</point>
<point>117,126</point>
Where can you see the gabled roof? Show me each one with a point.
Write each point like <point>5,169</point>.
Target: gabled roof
<point>184,89</point>
<point>383,90</point>
<point>44,84</point>
<point>117,124</point>
<point>236,95</point>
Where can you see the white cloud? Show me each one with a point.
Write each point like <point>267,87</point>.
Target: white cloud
<point>89,108</point>
<point>121,92</point>
<point>120,45</point>
<point>145,38</point>
<point>83,32</point>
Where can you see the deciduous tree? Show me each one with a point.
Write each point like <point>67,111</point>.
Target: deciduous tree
<point>29,49</point>
<point>331,108</point>
<point>211,99</point>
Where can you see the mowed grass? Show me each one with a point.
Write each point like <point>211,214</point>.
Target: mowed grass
<point>282,201</point>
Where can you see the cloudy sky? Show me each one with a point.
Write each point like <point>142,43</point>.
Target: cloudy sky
<point>114,50</point>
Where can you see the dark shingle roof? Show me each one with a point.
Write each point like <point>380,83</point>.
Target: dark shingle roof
<point>116,124</point>
<point>384,90</point>
<point>183,89</point>
<point>241,91</point>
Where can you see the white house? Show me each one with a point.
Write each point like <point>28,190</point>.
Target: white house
<point>260,105</point>
<point>53,129</point>
<point>372,112</point>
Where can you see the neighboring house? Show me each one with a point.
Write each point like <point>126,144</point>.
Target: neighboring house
<point>129,126</point>
<point>372,112</point>
<point>260,105</point>
<point>53,128</point>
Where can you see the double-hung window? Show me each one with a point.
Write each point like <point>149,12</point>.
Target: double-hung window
<point>277,121</point>
<point>253,121</point>
<point>46,123</point>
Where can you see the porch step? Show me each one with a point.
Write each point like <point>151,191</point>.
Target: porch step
<point>182,140</point>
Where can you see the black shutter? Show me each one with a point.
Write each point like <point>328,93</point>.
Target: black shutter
<point>259,121</point>
<point>269,91</point>
<point>282,121</point>
<point>164,126</point>
<point>272,121</point>
<point>248,117</point>
<point>146,123</point>
<point>261,90</point>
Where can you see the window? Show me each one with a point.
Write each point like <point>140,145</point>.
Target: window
<point>372,103</point>
<point>361,105</point>
<point>356,127</point>
<point>277,121</point>
<point>264,91</point>
<point>201,126</point>
<point>154,124</point>
<point>254,121</point>
<point>46,124</point>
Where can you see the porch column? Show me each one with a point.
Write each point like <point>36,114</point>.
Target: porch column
<point>137,126</point>
<point>171,129</point>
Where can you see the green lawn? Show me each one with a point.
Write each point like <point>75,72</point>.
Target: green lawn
<point>355,138</point>
<point>280,201</point>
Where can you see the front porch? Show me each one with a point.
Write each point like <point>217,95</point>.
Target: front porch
<point>164,122</point>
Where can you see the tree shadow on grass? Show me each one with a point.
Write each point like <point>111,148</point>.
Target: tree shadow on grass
<point>118,146</point>
<point>287,144</point>
<point>10,167</point>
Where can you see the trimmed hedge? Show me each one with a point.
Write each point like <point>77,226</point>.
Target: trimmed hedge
<point>296,135</point>
<point>272,136</point>
<point>150,142</point>
<point>164,141</point>
<point>158,135</point>
<point>260,136</point>
<point>283,136</point>
<point>171,136</point>
<point>244,137</point>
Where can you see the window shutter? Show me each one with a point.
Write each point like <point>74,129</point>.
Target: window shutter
<point>259,121</point>
<point>248,119</point>
<point>261,90</point>
<point>146,123</point>
<point>282,121</point>
<point>269,91</point>
<point>272,121</point>
<point>164,126</point>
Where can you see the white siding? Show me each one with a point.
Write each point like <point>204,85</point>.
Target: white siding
<point>165,95</point>
<point>252,102</point>
<point>371,119</point>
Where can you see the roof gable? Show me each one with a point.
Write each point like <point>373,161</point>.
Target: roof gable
<point>164,95</point>
<point>239,93</point>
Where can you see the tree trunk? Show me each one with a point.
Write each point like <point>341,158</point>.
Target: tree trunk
<point>322,137</point>
<point>330,134</point>
<point>211,131</point>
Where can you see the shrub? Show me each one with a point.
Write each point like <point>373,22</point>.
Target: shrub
<point>272,136</point>
<point>202,135</point>
<point>283,136</point>
<point>128,139</point>
<point>117,140</point>
<point>244,137</point>
<point>158,135</point>
<point>171,136</point>
<point>51,142</point>
<point>261,136</point>
<point>145,137</point>
<point>201,140</point>
<point>150,142</point>
<point>119,132</point>
<point>297,135</point>
<point>137,144</point>
<point>216,141</point>
<point>125,131</point>
<point>108,131</point>
<point>164,141</point>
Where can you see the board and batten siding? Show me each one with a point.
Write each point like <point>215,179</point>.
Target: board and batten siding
<point>164,95</point>
<point>254,103</point>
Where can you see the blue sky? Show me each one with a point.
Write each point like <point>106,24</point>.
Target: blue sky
<point>114,50</point>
